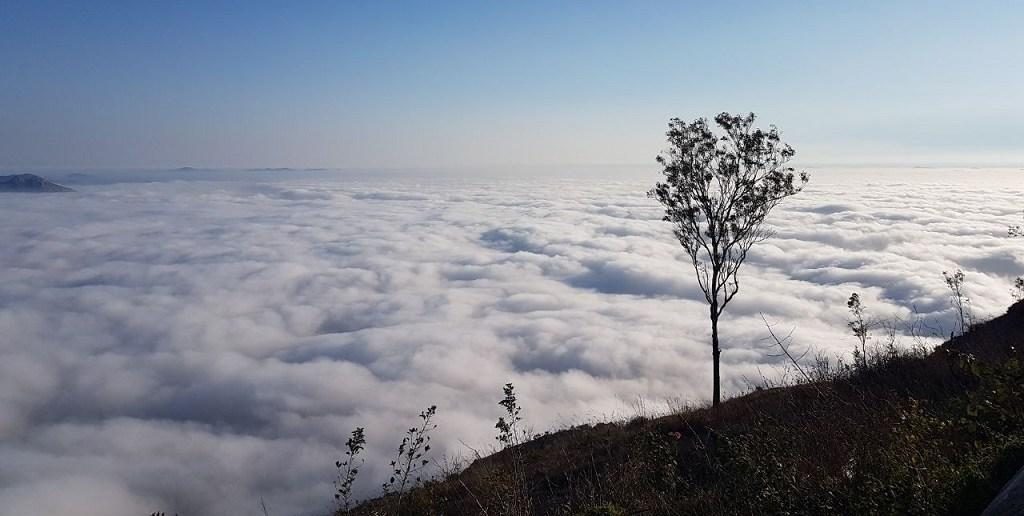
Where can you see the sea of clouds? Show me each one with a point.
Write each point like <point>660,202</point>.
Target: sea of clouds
<point>193,346</point>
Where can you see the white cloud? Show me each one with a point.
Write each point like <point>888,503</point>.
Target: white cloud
<point>192,346</point>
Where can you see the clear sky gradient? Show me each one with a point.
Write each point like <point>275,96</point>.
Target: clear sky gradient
<point>438,84</point>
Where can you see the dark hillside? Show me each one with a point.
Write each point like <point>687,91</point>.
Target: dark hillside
<point>993,339</point>
<point>910,433</point>
<point>30,183</point>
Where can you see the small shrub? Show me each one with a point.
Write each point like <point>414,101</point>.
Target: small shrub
<point>510,433</point>
<point>348,469</point>
<point>959,300</point>
<point>861,328</point>
<point>513,491</point>
<point>410,461</point>
<point>1016,231</point>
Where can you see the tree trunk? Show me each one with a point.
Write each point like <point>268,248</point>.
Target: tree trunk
<point>715,352</point>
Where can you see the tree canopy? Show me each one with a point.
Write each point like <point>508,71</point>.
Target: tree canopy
<point>717,192</point>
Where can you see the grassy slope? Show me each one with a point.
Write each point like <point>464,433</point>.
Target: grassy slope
<point>913,433</point>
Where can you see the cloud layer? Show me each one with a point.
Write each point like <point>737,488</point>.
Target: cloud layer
<point>193,346</point>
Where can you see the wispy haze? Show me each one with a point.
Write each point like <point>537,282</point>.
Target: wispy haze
<point>388,84</point>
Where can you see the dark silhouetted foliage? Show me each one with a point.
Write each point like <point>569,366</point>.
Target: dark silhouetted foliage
<point>348,469</point>
<point>717,192</point>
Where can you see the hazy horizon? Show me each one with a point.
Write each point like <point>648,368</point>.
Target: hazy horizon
<point>417,84</point>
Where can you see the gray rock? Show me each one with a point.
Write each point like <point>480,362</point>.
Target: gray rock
<point>1009,501</point>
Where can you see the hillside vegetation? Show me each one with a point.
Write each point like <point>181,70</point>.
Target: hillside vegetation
<point>900,432</point>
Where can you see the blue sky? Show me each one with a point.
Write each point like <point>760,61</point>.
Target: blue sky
<point>438,84</point>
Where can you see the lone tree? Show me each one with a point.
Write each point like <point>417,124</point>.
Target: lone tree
<point>717,192</point>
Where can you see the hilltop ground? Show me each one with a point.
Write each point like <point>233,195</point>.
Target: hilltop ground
<point>910,432</point>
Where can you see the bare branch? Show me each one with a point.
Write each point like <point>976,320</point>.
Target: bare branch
<point>781,343</point>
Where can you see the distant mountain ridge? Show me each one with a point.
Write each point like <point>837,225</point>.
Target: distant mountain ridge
<point>30,183</point>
